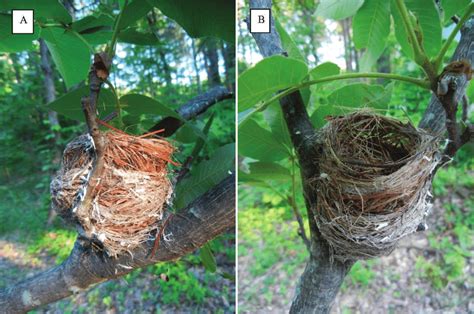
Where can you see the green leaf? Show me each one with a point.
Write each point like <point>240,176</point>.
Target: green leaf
<point>44,9</point>
<point>136,104</point>
<point>189,133</point>
<point>351,97</point>
<point>359,95</point>
<point>206,175</point>
<point>90,23</point>
<point>259,143</point>
<point>131,36</point>
<point>202,18</point>
<point>293,52</point>
<point>267,77</point>
<point>429,22</point>
<point>323,70</point>
<point>95,30</point>
<point>207,258</point>
<point>15,43</point>
<point>134,11</point>
<point>371,27</point>
<point>69,105</point>
<point>453,7</point>
<point>338,10</point>
<point>265,171</point>
<point>70,54</point>
<point>274,117</point>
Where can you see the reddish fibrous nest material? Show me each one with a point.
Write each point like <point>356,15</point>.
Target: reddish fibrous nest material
<point>374,185</point>
<point>127,198</point>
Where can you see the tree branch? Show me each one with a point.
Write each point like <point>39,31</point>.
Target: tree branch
<point>205,218</point>
<point>192,109</point>
<point>322,277</point>
<point>434,117</point>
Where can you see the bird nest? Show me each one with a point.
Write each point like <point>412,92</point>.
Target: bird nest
<point>374,185</point>
<point>122,206</point>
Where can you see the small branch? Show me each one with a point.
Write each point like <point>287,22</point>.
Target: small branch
<point>264,105</point>
<point>439,58</point>
<point>117,111</point>
<point>419,54</point>
<point>299,219</point>
<point>113,41</point>
<point>192,109</point>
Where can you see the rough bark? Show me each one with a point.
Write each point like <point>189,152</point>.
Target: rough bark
<point>322,279</point>
<point>192,108</point>
<point>204,219</point>
<point>434,117</point>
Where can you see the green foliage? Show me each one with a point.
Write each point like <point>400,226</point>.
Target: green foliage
<point>207,258</point>
<point>70,53</point>
<point>268,235</point>
<point>259,143</point>
<point>267,77</point>
<point>12,43</point>
<point>452,7</point>
<point>194,16</point>
<point>361,274</point>
<point>371,26</point>
<point>44,10</point>
<point>263,171</point>
<point>69,104</point>
<point>58,243</point>
<point>205,175</point>
<point>136,104</point>
<point>427,19</point>
<point>338,10</point>
<point>323,70</point>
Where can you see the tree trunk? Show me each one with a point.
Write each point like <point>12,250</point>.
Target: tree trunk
<point>383,65</point>
<point>322,278</point>
<point>212,63</point>
<point>346,36</point>
<point>50,95</point>
<point>166,68</point>
<point>228,52</point>
<point>195,64</point>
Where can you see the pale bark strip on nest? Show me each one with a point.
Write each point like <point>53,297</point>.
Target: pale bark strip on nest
<point>374,183</point>
<point>127,200</point>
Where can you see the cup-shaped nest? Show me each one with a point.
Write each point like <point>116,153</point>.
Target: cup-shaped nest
<point>126,201</point>
<point>374,185</point>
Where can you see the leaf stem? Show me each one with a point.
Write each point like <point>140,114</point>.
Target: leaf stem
<point>422,83</point>
<point>419,54</point>
<point>117,103</point>
<point>439,58</point>
<point>113,41</point>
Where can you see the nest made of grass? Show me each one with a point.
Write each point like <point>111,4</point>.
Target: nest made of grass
<point>374,185</point>
<point>127,201</point>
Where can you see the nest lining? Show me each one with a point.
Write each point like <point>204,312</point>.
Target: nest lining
<point>127,201</point>
<point>374,186</point>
